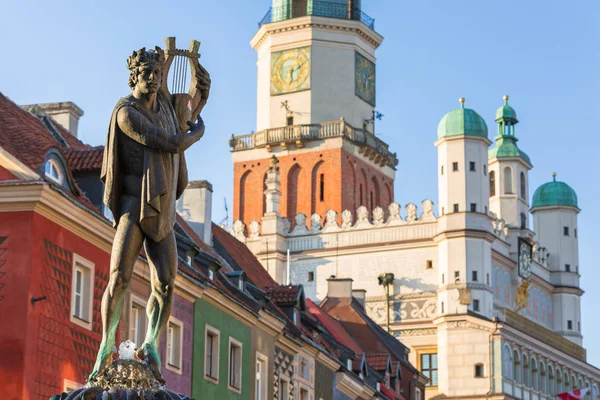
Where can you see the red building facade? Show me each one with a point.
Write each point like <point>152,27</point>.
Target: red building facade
<point>312,181</point>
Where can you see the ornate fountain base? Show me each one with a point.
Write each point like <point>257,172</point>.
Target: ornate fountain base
<point>124,380</point>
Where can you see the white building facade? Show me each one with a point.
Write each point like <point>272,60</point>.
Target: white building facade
<point>488,307</point>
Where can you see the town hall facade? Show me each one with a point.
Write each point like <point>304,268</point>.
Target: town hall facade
<point>482,285</point>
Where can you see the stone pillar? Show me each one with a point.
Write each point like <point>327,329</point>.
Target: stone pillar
<point>272,194</point>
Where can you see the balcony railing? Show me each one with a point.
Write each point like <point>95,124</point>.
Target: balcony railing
<point>317,9</point>
<point>372,146</point>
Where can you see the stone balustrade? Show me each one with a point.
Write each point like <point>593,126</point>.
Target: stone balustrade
<point>371,146</point>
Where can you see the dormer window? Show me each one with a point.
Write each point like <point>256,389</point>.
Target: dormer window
<point>211,274</point>
<point>189,259</point>
<point>241,284</point>
<point>53,171</point>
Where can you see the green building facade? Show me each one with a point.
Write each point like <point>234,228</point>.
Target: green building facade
<point>225,331</point>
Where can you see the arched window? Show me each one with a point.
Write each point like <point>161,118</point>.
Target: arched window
<point>559,381</point>
<point>542,379</point>
<point>526,380</point>
<point>318,187</point>
<point>551,381</point>
<point>53,171</point>
<point>293,192</point>
<point>492,183</point>
<point>517,370</point>
<point>508,186</point>
<point>523,191</point>
<point>507,368</point>
<point>246,183</point>
<point>375,193</point>
<point>351,184</point>
<point>534,374</point>
<point>523,221</point>
<point>264,208</point>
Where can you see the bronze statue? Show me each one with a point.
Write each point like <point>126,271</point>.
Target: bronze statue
<point>144,172</point>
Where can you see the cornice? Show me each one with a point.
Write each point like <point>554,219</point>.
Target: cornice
<point>288,344</point>
<point>350,387</point>
<point>349,26</point>
<point>223,303</point>
<point>568,290</point>
<point>269,323</point>
<point>329,362</point>
<point>471,138</point>
<point>465,233</point>
<point>52,205</point>
<point>16,167</point>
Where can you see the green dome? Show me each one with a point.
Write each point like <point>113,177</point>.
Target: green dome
<point>554,194</point>
<point>506,113</point>
<point>462,121</point>
<point>506,146</point>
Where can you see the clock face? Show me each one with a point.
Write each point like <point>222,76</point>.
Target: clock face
<point>290,70</point>
<point>524,260</point>
<point>364,80</point>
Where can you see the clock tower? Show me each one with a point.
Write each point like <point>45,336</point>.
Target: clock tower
<point>316,95</point>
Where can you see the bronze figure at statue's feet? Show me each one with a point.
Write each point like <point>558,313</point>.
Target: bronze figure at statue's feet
<point>144,172</point>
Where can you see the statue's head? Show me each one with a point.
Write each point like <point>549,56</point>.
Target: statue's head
<point>145,70</point>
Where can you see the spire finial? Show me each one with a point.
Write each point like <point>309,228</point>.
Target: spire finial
<point>462,102</point>
<point>505,98</point>
<point>554,176</point>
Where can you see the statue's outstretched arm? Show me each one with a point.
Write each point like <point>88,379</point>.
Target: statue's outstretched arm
<point>137,127</point>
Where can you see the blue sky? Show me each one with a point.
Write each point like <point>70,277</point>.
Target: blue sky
<point>544,54</point>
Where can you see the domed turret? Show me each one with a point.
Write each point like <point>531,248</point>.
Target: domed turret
<point>506,142</point>
<point>554,193</point>
<point>506,113</point>
<point>462,121</point>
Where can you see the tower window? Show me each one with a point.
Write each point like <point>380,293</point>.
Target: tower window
<point>578,326</point>
<point>570,325</point>
<point>487,276</point>
<point>484,169</point>
<point>567,267</point>
<point>475,305</point>
<point>371,200</point>
<point>442,170</point>
<point>473,207</point>
<point>485,209</point>
<point>442,305</point>
<point>566,230</point>
<point>492,183</point>
<point>290,121</point>
<point>311,276</point>
<point>442,210</point>
<point>455,207</point>
<point>508,181</point>
<point>429,264</point>
<point>443,279</point>
<point>471,166</point>
<point>457,274</point>
<point>523,221</point>
<point>479,371</point>
<point>523,186</point>
<point>322,187</point>
<point>474,276</point>
<point>454,166</point>
<point>361,194</point>
<point>575,233</point>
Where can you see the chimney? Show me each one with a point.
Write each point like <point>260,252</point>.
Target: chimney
<point>361,296</point>
<point>195,207</point>
<point>339,287</point>
<point>66,114</point>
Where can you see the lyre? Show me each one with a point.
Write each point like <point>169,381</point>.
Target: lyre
<point>186,98</point>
